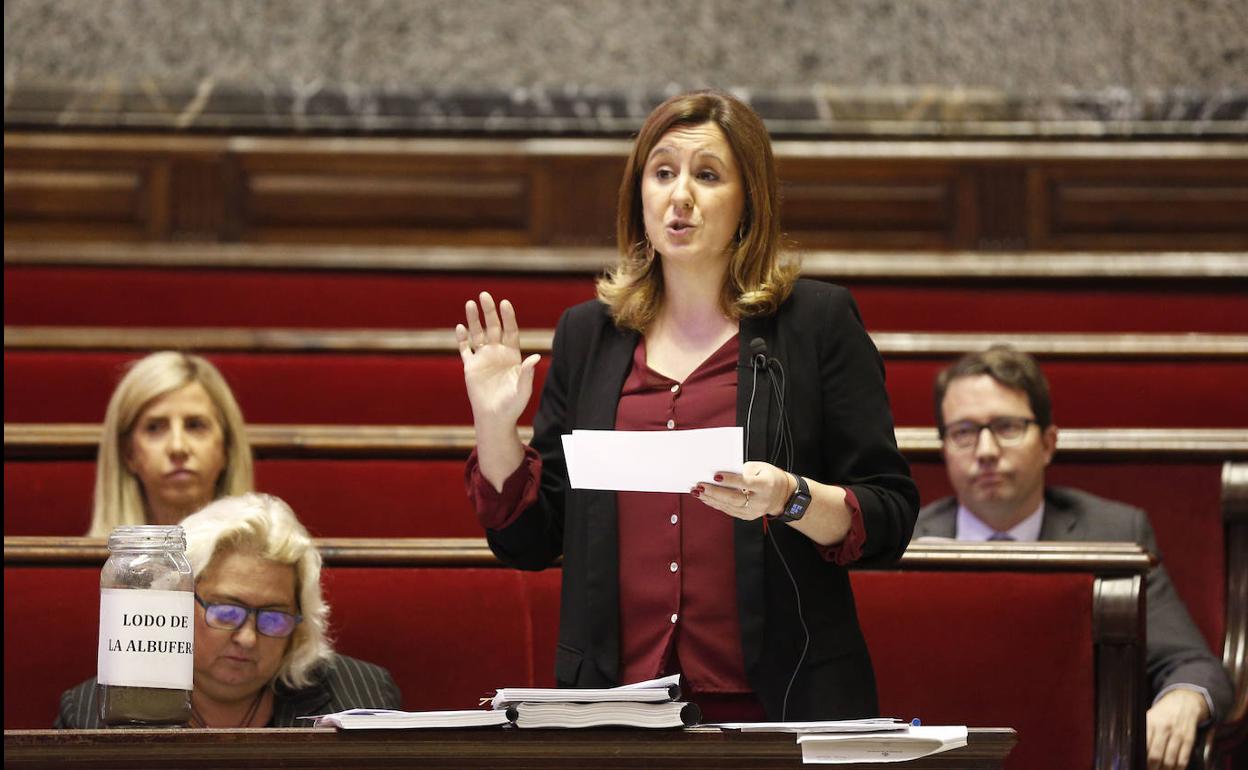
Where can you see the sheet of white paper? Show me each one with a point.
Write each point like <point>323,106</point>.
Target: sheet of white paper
<point>651,461</point>
<point>663,681</point>
<point>838,726</point>
<point>918,741</point>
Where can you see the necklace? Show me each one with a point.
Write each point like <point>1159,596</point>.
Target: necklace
<point>197,719</point>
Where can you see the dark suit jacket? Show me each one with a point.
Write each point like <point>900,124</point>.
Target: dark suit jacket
<point>343,683</point>
<point>843,434</point>
<point>1177,653</point>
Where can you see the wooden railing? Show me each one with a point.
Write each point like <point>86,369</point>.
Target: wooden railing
<point>1186,265</point>
<point>875,195</point>
<point>26,440</point>
<point>891,344</point>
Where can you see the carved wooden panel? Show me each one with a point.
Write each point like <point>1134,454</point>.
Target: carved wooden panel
<point>395,199</point>
<point>575,200</point>
<point>84,202</point>
<point>897,195</point>
<point>1147,204</point>
<point>832,203</point>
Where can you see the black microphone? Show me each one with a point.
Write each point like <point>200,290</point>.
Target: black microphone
<point>758,352</point>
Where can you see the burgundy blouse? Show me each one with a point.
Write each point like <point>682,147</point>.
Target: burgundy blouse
<point>678,597</point>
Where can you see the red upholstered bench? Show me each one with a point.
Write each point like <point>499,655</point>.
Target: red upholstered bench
<point>448,635</point>
<point>1015,649</point>
<point>423,497</point>
<point>68,294</point>
<point>51,632</point>
<point>1183,500</point>
<point>945,638</point>
<point>61,295</point>
<point>340,497</point>
<point>390,389</point>
<point>270,388</point>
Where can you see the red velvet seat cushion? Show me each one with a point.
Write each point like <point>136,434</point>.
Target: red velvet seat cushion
<point>987,650</point>
<point>270,388</point>
<point>74,386</point>
<point>542,594</point>
<point>374,498</point>
<point>450,636</point>
<point>1183,501</point>
<point>51,633</point>
<point>971,648</point>
<point>48,497</point>
<point>54,295</point>
<point>425,498</point>
<point>311,299</point>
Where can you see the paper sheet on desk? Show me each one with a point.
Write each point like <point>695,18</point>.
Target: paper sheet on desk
<point>650,461</point>
<point>868,725</point>
<point>845,748</point>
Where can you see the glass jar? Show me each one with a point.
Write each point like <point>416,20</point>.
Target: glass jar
<point>145,667</point>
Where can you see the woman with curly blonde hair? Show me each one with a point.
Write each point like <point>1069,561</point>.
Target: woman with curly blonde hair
<point>262,656</point>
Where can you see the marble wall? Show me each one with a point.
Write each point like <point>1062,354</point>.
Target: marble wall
<point>589,66</point>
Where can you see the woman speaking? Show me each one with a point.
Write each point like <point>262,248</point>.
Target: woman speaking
<point>741,584</point>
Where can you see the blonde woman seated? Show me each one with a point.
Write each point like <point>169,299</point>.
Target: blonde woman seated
<point>262,658</point>
<point>173,441</point>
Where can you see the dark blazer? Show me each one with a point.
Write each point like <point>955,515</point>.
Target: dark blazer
<point>342,683</point>
<point>1177,653</point>
<point>842,434</point>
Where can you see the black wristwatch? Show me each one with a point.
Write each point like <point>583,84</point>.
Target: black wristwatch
<point>797,504</point>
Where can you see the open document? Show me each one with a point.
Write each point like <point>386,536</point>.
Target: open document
<point>650,691</point>
<point>651,460</point>
<point>387,719</point>
<point>869,725</point>
<point>898,746</point>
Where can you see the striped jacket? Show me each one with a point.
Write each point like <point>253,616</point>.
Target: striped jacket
<point>343,683</point>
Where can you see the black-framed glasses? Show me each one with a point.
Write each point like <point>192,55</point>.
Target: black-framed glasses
<point>1008,431</point>
<point>229,617</point>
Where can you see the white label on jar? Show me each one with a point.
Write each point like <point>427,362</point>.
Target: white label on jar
<point>146,638</point>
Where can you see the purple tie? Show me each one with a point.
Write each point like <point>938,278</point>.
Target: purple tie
<point>999,536</point>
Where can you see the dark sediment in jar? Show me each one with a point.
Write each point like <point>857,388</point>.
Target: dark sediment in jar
<point>144,706</point>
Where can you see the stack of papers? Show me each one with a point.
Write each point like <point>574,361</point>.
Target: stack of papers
<point>645,704</point>
<point>653,704</point>
<point>617,714</point>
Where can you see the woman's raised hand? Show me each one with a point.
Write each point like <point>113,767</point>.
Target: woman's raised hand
<point>499,382</point>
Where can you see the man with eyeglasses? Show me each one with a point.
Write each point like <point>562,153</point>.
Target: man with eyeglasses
<point>996,427</point>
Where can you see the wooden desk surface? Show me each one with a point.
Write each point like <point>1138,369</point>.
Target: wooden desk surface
<point>489,748</point>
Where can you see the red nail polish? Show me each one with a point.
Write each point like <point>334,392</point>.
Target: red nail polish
<point>719,477</point>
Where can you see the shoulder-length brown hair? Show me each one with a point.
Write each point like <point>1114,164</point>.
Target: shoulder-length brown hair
<point>758,280</point>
